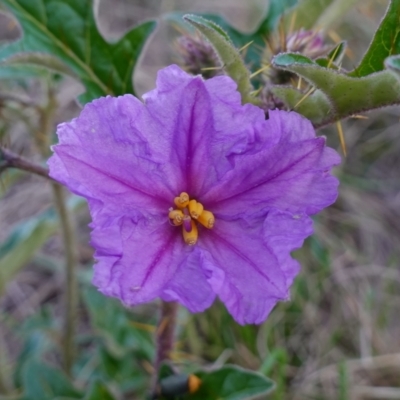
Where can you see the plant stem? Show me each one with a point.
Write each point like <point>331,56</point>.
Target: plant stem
<point>9,159</point>
<point>165,335</point>
<point>71,295</point>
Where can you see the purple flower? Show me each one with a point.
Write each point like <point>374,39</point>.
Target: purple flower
<point>258,180</point>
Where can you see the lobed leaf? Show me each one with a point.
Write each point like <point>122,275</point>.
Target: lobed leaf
<point>386,42</point>
<point>66,30</point>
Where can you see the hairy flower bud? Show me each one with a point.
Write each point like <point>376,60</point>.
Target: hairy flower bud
<point>309,43</point>
<point>196,55</point>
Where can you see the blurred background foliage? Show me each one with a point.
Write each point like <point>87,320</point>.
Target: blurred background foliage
<point>338,337</point>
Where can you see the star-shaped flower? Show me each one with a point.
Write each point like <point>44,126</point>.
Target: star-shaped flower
<point>193,194</point>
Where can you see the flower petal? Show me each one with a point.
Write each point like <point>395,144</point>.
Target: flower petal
<point>291,174</point>
<point>253,281</point>
<point>106,154</point>
<point>191,282</point>
<point>255,258</point>
<point>205,122</point>
<point>135,258</point>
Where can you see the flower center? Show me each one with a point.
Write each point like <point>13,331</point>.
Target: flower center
<point>188,213</point>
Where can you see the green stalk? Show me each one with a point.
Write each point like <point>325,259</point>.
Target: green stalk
<point>165,336</point>
<point>71,292</point>
<point>43,140</point>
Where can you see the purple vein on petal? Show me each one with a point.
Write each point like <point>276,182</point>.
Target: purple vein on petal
<point>128,185</point>
<point>244,257</point>
<point>160,254</point>
<point>267,180</point>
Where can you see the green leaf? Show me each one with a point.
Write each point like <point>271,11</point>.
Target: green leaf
<point>347,95</point>
<point>385,43</point>
<point>98,391</point>
<point>231,383</point>
<point>66,29</point>
<point>26,238</point>
<point>228,54</point>
<point>45,382</point>
<point>286,59</point>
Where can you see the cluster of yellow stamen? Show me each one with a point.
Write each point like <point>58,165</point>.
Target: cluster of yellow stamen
<point>187,213</point>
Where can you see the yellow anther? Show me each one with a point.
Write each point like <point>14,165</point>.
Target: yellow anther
<point>207,219</point>
<point>176,216</point>
<point>182,201</point>
<point>190,238</point>
<point>195,209</point>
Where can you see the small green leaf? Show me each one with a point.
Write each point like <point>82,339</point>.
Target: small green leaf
<point>287,59</point>
<point>228,54</point>
<point>231,383</point>
<point>385,43</point>
<point>98,391</point>
<point>66,29</point>
<point>45,382</point>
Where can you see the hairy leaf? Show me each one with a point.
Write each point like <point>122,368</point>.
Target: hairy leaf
<point>66,29</point>
<point>315,107</point>
<point>347,95</point>
<point>228,54</point>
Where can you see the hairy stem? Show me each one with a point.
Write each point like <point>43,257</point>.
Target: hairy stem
<point>71,294</point>
<point>165,335</point>
<point>9,159</point>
